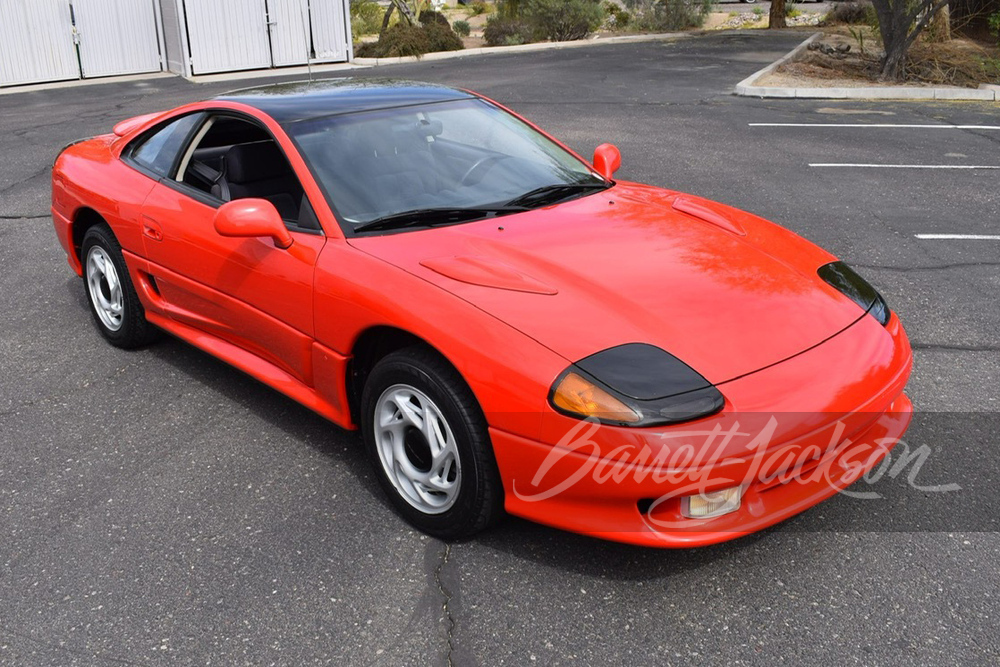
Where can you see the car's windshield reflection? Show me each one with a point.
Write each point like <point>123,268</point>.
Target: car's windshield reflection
<point>464,154</point>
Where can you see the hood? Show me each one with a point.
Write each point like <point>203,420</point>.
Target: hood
<point>724,291</point>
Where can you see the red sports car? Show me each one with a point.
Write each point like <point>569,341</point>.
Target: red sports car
<point>510,328</point>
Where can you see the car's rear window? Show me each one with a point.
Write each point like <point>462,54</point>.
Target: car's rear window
<point>158,150</point>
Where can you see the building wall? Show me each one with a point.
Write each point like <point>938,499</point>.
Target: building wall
<point>173,37</point>
<point>233,35</point>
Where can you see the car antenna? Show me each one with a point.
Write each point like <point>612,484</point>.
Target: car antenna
<point>306,23</point>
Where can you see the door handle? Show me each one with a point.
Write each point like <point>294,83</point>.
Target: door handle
<point>151,229</point>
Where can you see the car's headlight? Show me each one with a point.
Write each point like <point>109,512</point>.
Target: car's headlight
<point>634,385</point>
<point>843,278</point>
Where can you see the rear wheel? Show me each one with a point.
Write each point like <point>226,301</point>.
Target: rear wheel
<point>428,440</point>
<point>114,303</point>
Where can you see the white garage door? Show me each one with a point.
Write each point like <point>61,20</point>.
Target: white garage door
<point>329,29</point>
<point>229,35</point>
<point>36,42</point>
<point>54,40</point>
<point>307,29</point>
<point>289,27</point>
<point>117,36</point>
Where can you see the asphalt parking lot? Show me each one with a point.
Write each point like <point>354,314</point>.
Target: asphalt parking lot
<point>160,508</point>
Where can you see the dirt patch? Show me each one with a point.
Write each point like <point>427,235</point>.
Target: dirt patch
<point>957,62</point>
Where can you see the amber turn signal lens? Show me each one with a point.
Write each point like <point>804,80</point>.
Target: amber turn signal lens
<point>577,395</point>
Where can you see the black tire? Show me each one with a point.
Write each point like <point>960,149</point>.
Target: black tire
<point>479,499</point>
<point>133,330</point>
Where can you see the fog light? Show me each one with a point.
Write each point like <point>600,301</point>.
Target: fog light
<point>712,504</point>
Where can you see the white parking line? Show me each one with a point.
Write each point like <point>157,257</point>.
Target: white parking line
<point>880,125</point>
<point>970,237</point>
<point>904,166</point>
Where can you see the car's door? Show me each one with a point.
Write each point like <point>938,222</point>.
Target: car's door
<point>244,291</point>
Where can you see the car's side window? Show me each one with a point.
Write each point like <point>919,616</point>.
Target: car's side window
<point>232,158</point>
<point>157,151</point>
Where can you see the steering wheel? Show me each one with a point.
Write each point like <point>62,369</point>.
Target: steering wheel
<point>475,173</point>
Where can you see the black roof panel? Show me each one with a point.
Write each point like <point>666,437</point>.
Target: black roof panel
<point>302,100</point>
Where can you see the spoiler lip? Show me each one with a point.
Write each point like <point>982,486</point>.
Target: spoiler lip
<point>125,127</point>
<point>70,145</point>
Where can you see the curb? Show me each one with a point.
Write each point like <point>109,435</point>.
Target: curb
<point>317,69</point>
<point>80,83</point>
<point>746,87</point>
<point>521,48</point>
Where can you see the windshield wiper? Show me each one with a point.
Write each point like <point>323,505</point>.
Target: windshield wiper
<point>428,217</point>
<point>550,194</point>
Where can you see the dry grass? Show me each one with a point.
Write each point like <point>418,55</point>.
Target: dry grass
<point>958,62</point>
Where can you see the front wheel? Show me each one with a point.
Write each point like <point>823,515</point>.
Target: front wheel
<point>428,440</point>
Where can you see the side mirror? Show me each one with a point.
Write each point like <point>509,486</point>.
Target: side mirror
<point>251,218</point>
<point>607,160</point>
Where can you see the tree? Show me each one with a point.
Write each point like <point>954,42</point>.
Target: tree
<point>405,11</point>
<point>900,22</point>
<point>776,18</point>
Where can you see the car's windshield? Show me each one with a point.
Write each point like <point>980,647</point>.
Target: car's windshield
<point>464,154</point>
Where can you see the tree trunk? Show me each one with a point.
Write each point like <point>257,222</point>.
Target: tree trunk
<point>893,27</point>
<point>776,19</point>
<point>405,11</point>
<point>404,14</point>
<point>385,20</point>
<point>899,26</point>
<point>894,61</point>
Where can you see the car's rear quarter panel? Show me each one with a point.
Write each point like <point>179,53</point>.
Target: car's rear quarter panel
<point>88,175</point>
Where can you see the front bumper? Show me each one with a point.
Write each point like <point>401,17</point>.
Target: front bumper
<point>64,232</point>
<point>792,435</point>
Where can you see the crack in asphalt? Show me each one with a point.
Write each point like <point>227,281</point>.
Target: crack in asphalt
<point>23,217</point>
<point>925,250</point>
<point>13,185</point>
<point>445,605</point>
<point>936,267</point>
<point>936,347</point>
<point>58,647</point>
<point>930,116</point>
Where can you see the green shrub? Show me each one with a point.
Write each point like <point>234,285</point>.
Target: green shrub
<point>852,13</point>
<point>366,17</point>
<point>399,40</point>
<point>430,16</point>
<point>461,28</point>
<point>441,37</point>
<point>991,69</point>
<point>509,9</point>
<point>563,20</point>
<point>478,7</point>
<point>501,31</point>
<point>403,39</point>
<point>994,24</point>
<point>792,10</point>
<point>366,50</point>
<point>617,18</point>
<point>666,15</point>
